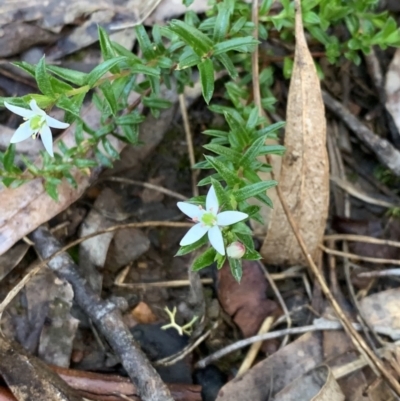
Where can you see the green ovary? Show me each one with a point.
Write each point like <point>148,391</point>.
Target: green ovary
<point>208,219</point>
<point>36,123</point>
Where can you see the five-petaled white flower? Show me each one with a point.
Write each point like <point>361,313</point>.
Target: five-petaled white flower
<point>209,221</point>
<point>37,123</point>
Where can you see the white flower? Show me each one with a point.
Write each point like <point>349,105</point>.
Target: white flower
<point>37,122</point>
<point>209,221</point>
<point>235,250</point>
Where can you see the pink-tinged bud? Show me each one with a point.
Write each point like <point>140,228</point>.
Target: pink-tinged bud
<point>236,250</point>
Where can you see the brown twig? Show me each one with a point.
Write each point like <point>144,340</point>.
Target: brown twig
<point>361,238</point>
<point>384,150</point>
<point>318,325</point>
<point>189,141</point>
<point>106,316</point>
<point>358,257</point>
<point>147,185</point>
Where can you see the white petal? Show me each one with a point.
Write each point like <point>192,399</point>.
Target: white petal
<point>230,217</point>
<point>47,139</point>
<point>36,109</point>
<point>19,110</point>
<point>52,122</point>
<point>190,210</point>
<point>216,239</point>
<point>194,234</point>
<point>212,201</point>
<point>23,132</point>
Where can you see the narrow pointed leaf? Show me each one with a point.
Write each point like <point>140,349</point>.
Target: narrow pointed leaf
<point>206,70</point>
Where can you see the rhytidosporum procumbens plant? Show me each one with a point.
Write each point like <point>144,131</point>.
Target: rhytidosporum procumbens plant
<point>221,42</point>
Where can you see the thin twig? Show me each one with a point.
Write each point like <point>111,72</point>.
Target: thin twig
<point>255,347</point>
<point>280,300</point>
<point>185,283</point>
<point>353,191</point>
<point>319,325</point>
<point>359,257</point>
<point>361,238</point>
<point>189,142</point>
<point>147,185</point>
<point>380,273</point>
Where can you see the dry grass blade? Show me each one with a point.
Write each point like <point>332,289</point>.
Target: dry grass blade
<point>304,177</point>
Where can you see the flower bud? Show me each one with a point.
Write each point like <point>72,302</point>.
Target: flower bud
<point>235,250</point>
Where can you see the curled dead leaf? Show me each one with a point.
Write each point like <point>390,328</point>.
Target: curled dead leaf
<point>304,176</point>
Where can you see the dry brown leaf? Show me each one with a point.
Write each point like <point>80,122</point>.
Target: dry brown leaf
<point>247,302</point>
<point>317,385</point>
<point>270,376</point>
<point>304,176</point>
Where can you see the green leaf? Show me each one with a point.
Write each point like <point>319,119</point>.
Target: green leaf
<point>238,137</point>
<point>72,105</point>
<point>252,152</point>
<point>102,68</point>
<point>7,181</point>
<point>42,79</point>
<point>236,268</point>
<point>221,26</point>
<point>206,70</point>
<point>253,189</point>
<point>51,189</point>
<point>225,60</point>
<point>265,199</point>
<point>216,133</point>
<point>241,228</point>
<point>200,42</point>
<point>27,67</point>
<point>271,128</point>
<point>84,163</point>
<point>272,150</point>
<point>8,158</point>
<point>131,133</point>
<point>106,47</point>
<point>103,160</point>
<point>228,153</point>
<point>138,68</point>
<point>251,254</point>
<point>222,197</point>
<point>144,42</point>
<point>288,63</point>
<point>130,119</point>
<point>156,103</point>
<point>109,148</point>
<point>220,259</point>
<point>109,96</point>
<point>188,59</point>
<point>183,250</point>
<point>122,51</point>
<point>246,44</point>
<point>76,77</point>
<point>246,240</point>
<point>204,260</point>
<point>227,174</point>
